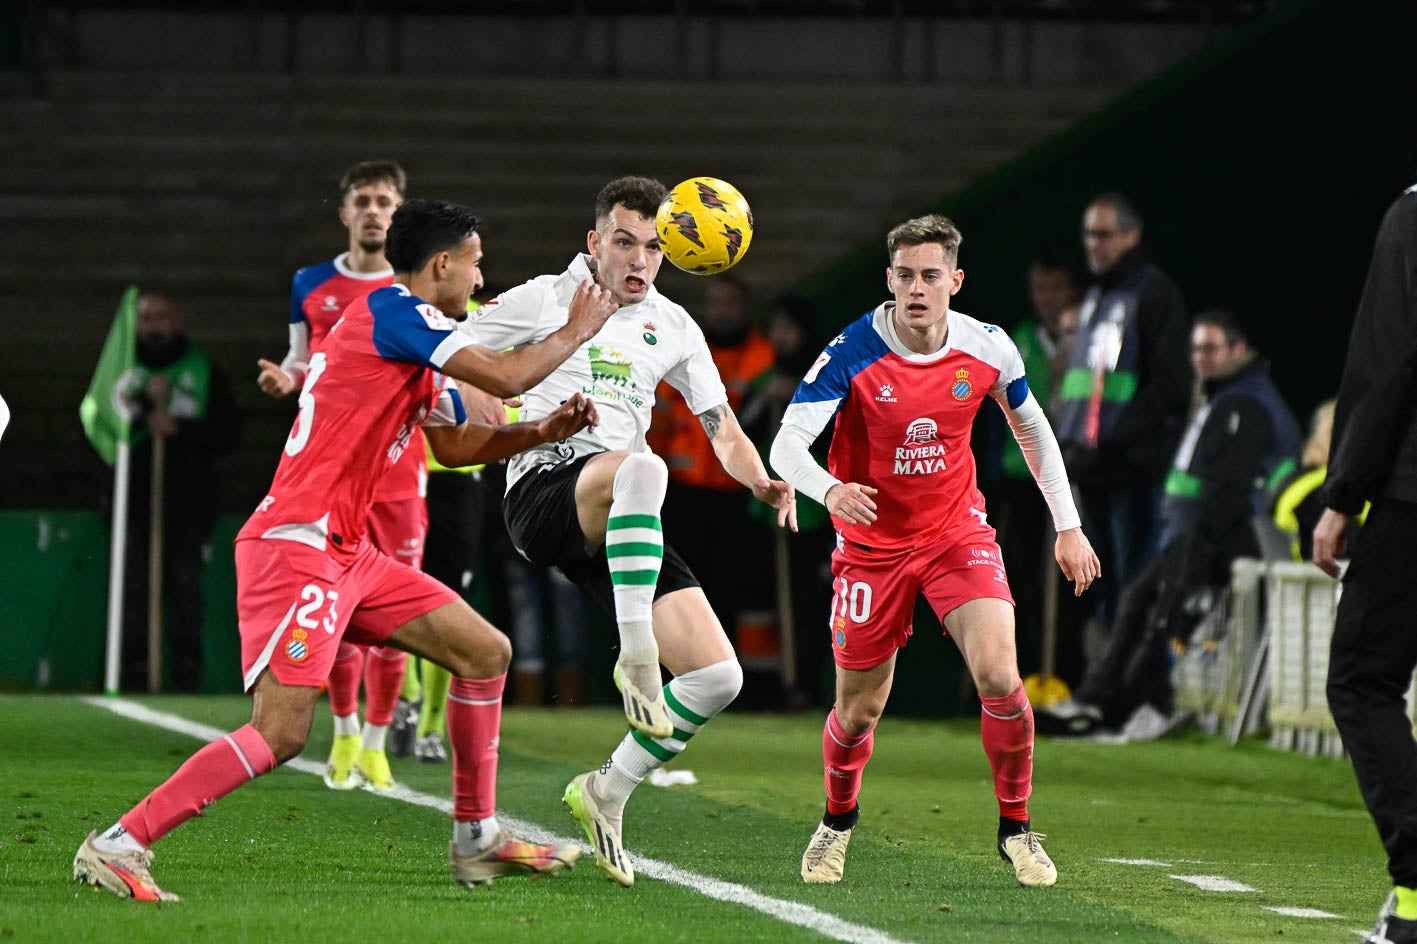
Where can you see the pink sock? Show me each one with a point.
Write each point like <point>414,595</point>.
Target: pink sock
<point>844,759</point>
<point>344,680</point>
<point>474,723</point>
<point>1006,728</point>
<point>383,679</point>
<point>210,774</point>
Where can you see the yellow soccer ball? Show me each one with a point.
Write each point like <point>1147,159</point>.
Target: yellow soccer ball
<point>705,225</point>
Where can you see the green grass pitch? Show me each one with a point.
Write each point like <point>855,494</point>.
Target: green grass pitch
<point>284,859</point>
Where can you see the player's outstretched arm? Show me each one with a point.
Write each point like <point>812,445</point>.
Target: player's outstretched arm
<point>740,459</point>
<point>283,379</point>
<point>511,373</point>
<point>1077,559</point>
<point>474,443</point>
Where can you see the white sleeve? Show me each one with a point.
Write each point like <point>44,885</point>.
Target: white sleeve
<point>297,359</point>
<point>4,416</point>
<point>1040,450</point>
<point>508,320</point>
<point>791,458</point>
<point>696,377</point>
<point>448,410</point>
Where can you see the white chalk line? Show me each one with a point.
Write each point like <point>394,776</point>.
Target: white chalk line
<point>1219,883</point>
<point>788,912</point>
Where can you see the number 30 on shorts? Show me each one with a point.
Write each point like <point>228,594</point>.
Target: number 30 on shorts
<point>851,600</point>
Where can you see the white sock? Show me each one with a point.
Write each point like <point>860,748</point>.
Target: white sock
<point>373,739</point>
<point>116,840</point>
<point>692,699</point>
<point>346,725</point>
<point>473,836</point>
<point>634,550</point>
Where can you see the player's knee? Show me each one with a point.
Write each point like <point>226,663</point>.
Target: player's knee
<point>858,717</point>
<point>713,687</point>
<point>488,657</point>
<point>643,474</point>
<point>997,682</point>
<point>286,738</point>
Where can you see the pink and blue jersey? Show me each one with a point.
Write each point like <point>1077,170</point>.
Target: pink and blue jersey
<point>319,294</point>
<point>903,423</point>
<point>371,385</point>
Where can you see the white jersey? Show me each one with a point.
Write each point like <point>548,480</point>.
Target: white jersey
<point>618,369</point>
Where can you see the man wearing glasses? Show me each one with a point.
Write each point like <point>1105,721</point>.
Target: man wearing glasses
<point>1123,397</point>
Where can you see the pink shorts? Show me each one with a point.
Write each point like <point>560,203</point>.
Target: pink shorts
<point>873,601</point>
<point>295,603</point>
<point>398,528</point>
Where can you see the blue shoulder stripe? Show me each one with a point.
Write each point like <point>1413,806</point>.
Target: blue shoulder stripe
<point>857,347</point>
<point>306,281</point>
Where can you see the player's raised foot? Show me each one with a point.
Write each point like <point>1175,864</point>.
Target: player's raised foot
<point>509,856</point>
<point>1024,851</point>
<point>641,689</point>
<point>403,730</point>
<point>125,874</point>
<point>373,770</point>
<point>602,824</point>
<point>430,750</point>
<point>340,772</point>
<point>824,861</point>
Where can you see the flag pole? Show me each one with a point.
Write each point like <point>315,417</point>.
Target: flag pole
<point>155,551</point>
<point>116,555</point>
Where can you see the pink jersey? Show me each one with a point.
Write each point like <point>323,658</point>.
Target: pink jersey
<point>319,294</point>
<point>370,386</point>
<point>903,422</point>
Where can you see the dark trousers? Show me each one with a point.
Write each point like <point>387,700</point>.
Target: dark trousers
<point>182,563</point>
<point>1373,654</point>
<point>1122,524</point>
<point>456,502</point>
<point>1135,668</point>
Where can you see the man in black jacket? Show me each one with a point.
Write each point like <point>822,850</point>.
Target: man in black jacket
<point>1374,650</point>
<point>1240,434</point>
<point>1122,400</point>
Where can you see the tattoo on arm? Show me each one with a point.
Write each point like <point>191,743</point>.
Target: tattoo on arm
<point>713,420</point>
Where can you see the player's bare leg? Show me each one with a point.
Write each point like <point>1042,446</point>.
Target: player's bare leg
<point>847,741</point>
<point>119,859</point>
<point>619,496</point>
<point>984,631</point>
<point>477,653</point>
<point>707,678</point>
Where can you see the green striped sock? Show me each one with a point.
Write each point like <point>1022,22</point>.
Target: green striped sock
<point>638,753</point>
<point>634,549</point>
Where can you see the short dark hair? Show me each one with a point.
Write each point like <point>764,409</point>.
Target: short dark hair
<point>1227,321</point>
<point>641,195</point>
<point>1128,216</point>
<point>372,172</point>
<point>926,229</point>
<point>423,228</point>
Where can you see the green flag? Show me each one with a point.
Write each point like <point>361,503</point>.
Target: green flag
<point>104,412</point>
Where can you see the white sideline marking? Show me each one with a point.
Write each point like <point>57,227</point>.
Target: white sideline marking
<point>1165,865</point>
<point>1301,912</point>
<point>789,912</point>
<point>1214,883</point>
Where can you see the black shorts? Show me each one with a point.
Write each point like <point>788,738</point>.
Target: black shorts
<point>541,519</point>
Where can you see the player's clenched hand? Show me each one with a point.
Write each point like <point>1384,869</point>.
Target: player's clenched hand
<point>591,307</point>
<point>1077,559</point>
<point>273,381</point>
<point>1330,540</point>
<point>851,502</point>
<point>781,496</point>
<point>568,419</point>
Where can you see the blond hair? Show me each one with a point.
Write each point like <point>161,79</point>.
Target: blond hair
<point>926,229</point>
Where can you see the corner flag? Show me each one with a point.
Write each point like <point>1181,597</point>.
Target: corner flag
<point>105,419</point>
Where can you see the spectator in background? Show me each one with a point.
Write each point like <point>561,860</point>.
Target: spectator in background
<point>792,330</point>
<point>699,488</point>
<point>1239,434</point>
<point>1374,649</point>
<point>1022,519</point>
<point>1298,502</point>
<point>176,394</point>
<point>1123,398</point>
